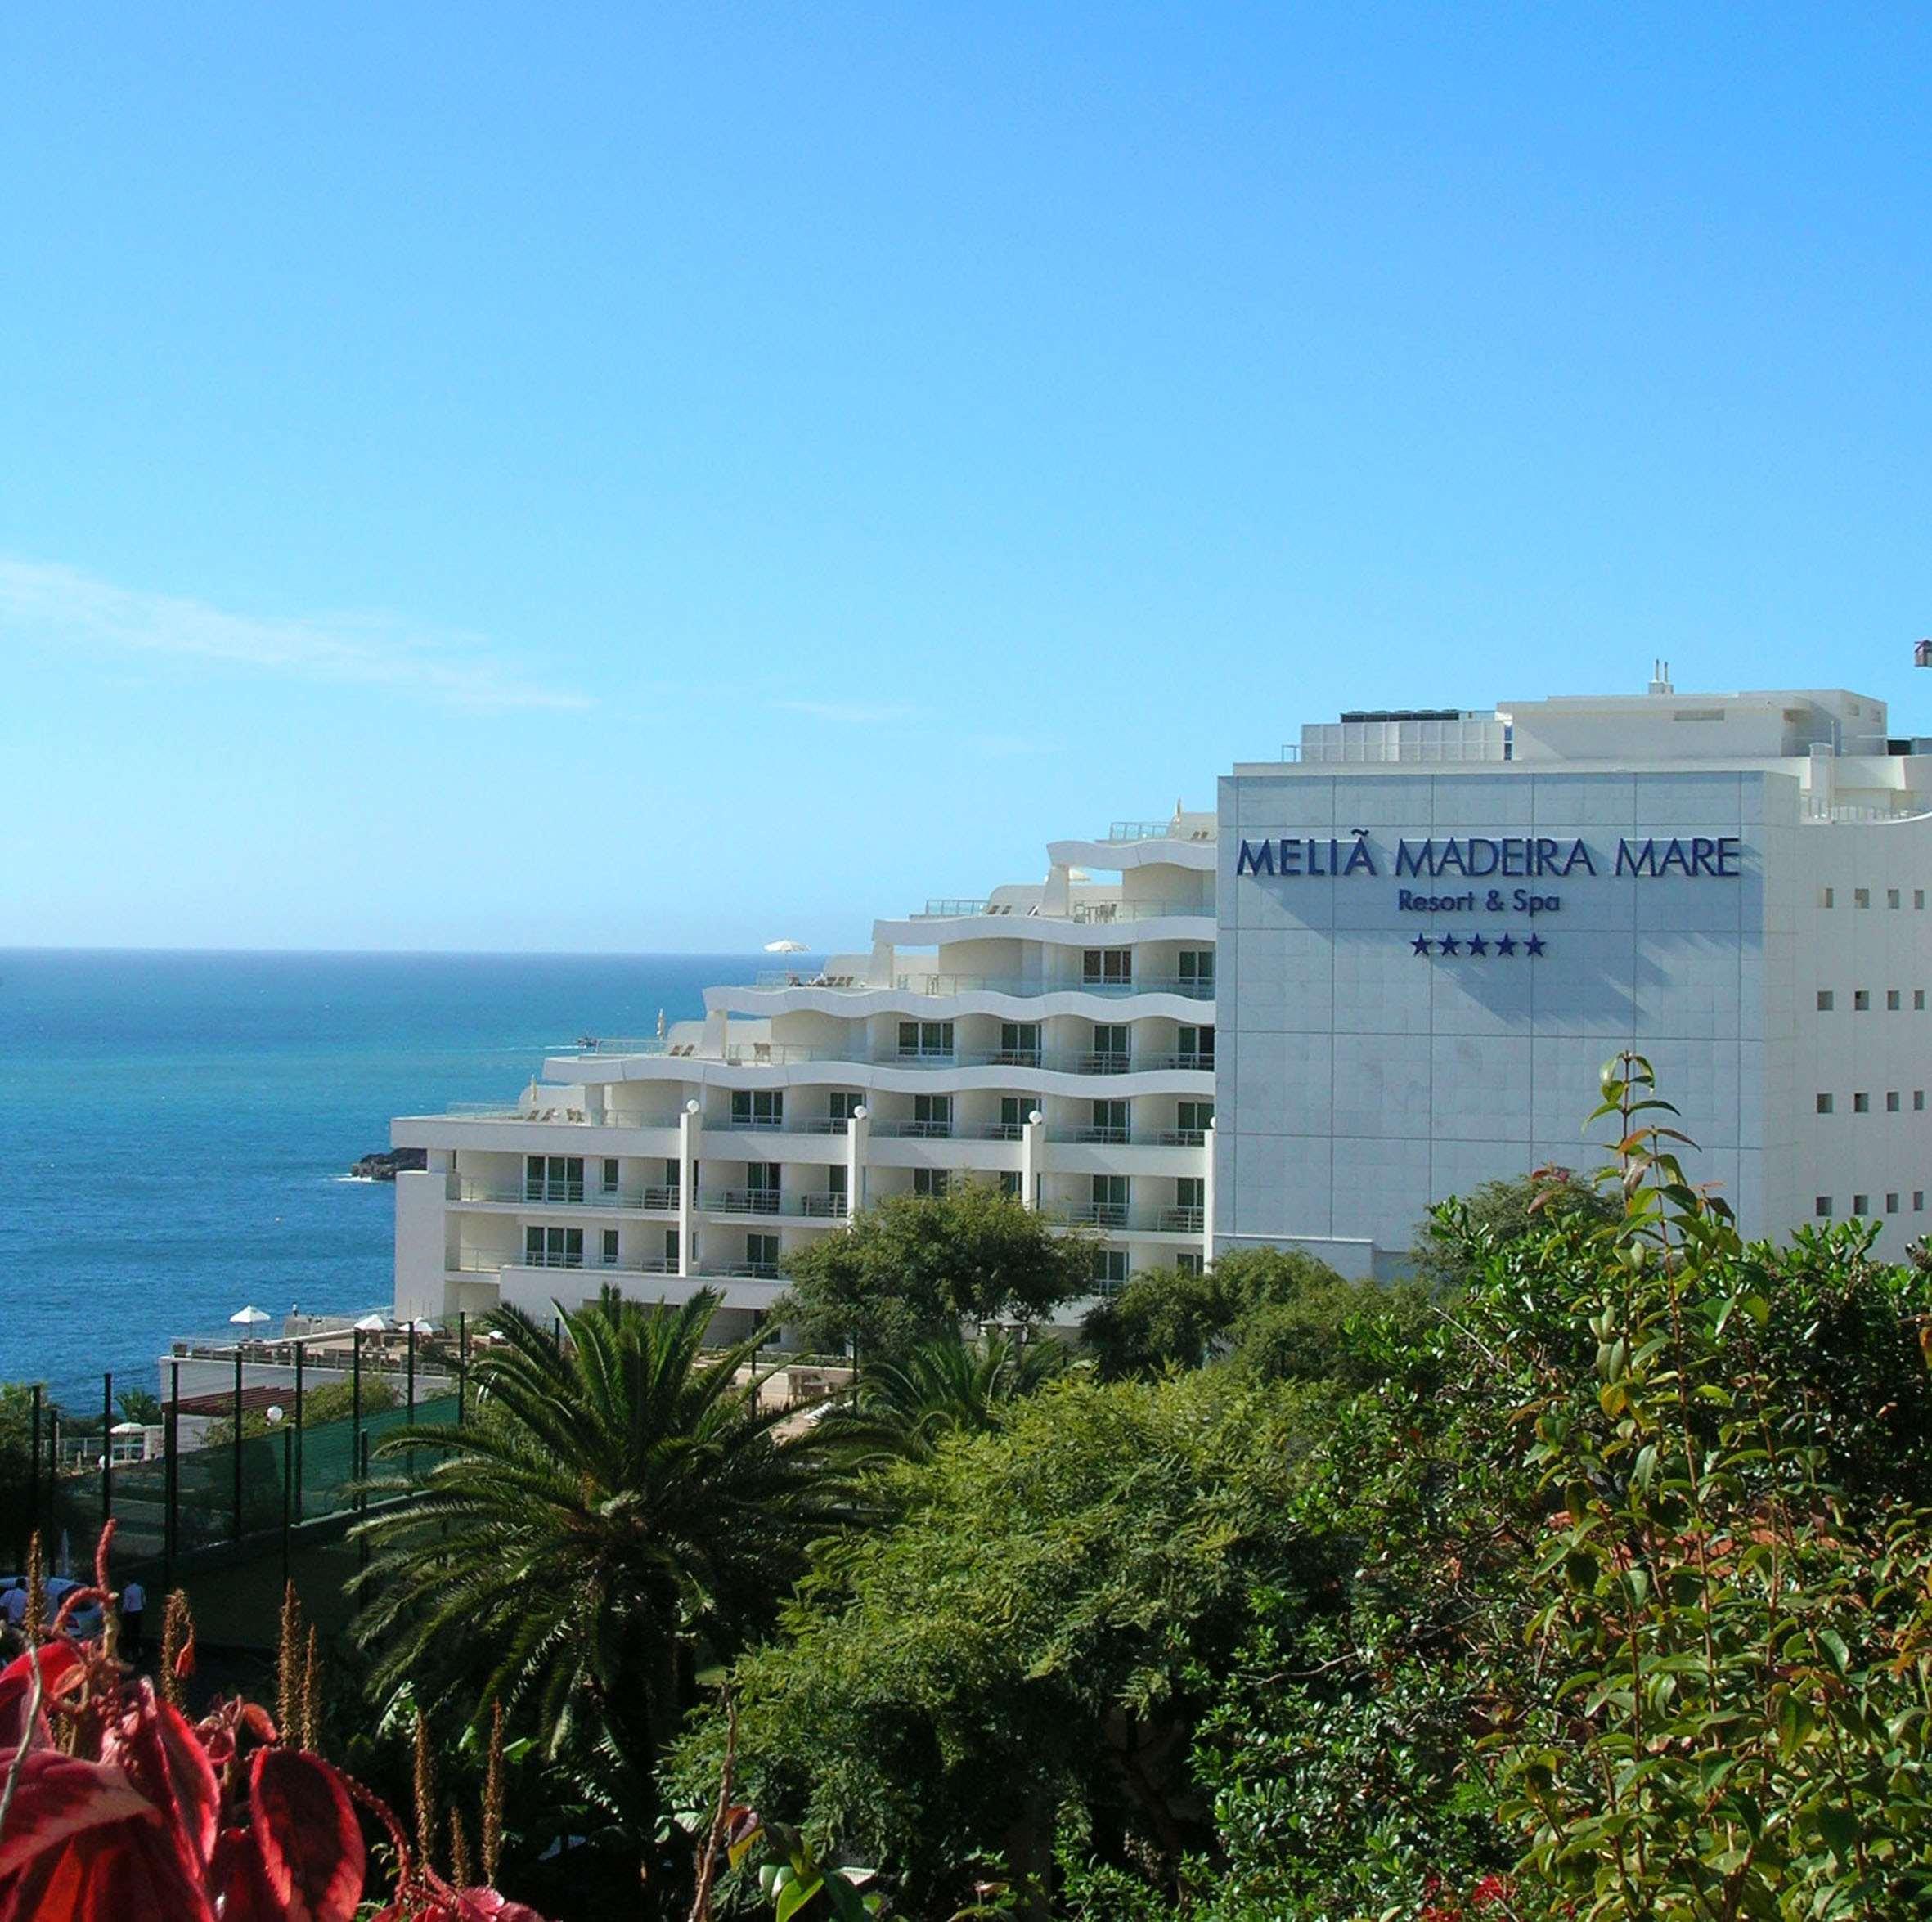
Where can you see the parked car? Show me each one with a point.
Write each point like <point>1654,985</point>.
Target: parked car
<point>85,1622</point>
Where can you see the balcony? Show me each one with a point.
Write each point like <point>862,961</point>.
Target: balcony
<point>1082,911</point>
<point>562,1194</point>
<point>914,1131</point>
<point>818,1204</point>
<point>1195,989</point>
<point>1134,1138</point>
<point>1118,1216</point>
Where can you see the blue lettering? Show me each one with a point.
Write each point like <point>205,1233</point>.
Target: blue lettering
<point>1255,859</point>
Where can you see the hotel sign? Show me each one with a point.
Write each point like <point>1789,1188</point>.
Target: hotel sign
<point>1474,857</point>
<point>1483,857</point>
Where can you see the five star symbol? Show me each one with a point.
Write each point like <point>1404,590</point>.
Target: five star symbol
<point>1477,945</point>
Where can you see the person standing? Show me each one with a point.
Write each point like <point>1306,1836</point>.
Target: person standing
<point>133,1609</point>
<point>13,1606</point>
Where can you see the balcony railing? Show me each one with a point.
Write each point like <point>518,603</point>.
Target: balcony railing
<point>1089,911</point>
<point>818,1204</point>
<point>1134,1138</point>
<point>1195,989</point>
<point>1141,830</point>
<point>914,1131</point>
<point>1121,1216</point>
<point>562,1194</point>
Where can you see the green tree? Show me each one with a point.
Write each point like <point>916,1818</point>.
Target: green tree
<point>17,1469</point>
<point>621,1500</point>
<point>945,1388</point>
<point>1166,1318</point>
<point>917,1267</point>
<point>1030,1639</point>
<point>138,1404</point>
<point>1454,1241</point>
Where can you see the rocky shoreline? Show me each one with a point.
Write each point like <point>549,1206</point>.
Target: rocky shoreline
<point>390,1162</point>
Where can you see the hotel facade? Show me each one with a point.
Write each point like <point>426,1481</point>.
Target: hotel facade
<point>1387,969</point>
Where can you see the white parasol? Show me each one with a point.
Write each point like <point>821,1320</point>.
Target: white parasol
<point>247,1317</point>
<point>785,948</point>
<point>372,1324</point>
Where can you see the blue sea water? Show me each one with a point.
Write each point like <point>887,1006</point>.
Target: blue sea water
<point>175,1127</point>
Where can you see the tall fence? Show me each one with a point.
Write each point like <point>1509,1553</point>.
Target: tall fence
<point>256,1481</point>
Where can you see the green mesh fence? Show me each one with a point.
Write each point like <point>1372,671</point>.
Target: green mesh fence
<point>206,1488</point>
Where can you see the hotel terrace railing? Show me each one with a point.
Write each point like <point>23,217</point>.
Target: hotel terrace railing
<point>1118,1214</point>
<point>1141,830</point>
<point>1130,1137</point>
<point>1051,1061</point>
<point>1193,988</point>
<point>819,1204</point>
<point>1088,912</point>
<point>561,1194</point>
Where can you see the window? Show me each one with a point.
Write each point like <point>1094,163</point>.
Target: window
<point>1918,1000</point>
<point>761,1254</point>
<point>1891,897</point>
<point>1918,1200</point>
<point>1107,967</point>
<point>1191,1121</point>
<point>840,1105</point>
<point>553,1247</point>
<point>1110,1270</point>
<point>1918,1101</point>
<point>671,1251</point>
<point>1861,1000</point>
<point>609,1182</point>
<point>926,1040</point>
<point>610,1247</point>
<point>670,1178</point>
<point>1189,1265</point>
<point>1190,1204</point>
<point>553,1178</point>
<point>1109,1056</point>
<point>1824,1104</point>
<point>1892,1102</point>
<point>1891,1001</point>
<point>1825,999</point>
<point>1009,1183</point>
<point>1891,1204</point>
<point>1861,897</point>
<point>1824,897</point>
<point>933,1115</point>
<point>1861,1104</point>
<point>1197,971</point>
<point>1861,1204</point>
<point>1013,1111</point>
<point>1019,1044</point>
<point>758,1107</point>
<point>1196,1048</point>
<point>928,1181</point>
<point>1110,1121</point>
<point>1918,897</point>
<point>761,1179</point>
<point>1823,1207</point>
<point>1110,1200</point>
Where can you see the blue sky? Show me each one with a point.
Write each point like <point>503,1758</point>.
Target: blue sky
<point>631,478</point>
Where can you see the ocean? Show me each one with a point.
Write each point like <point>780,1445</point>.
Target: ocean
<point>178,1127</point>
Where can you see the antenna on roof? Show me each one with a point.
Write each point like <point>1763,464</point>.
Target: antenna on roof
<point>1660,678</point>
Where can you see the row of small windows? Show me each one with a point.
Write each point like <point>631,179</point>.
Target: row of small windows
<point>1861,1204</point>
<point>1862,897</point>
<point>1862,1000</point>
<point>1861,1102</point>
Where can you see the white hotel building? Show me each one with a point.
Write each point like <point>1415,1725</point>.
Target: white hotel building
<point>1387,970</point>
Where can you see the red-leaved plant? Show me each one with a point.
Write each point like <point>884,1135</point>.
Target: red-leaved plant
<point>114,1808</point>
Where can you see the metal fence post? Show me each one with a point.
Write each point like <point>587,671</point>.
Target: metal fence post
<point>355,1396</point>
<point>362,1499</point>
<point>288,1497</point>
<point>235,1450</point>
<point>171,1480</point>
<point>107,1446</point>
<point>301,1350</point>
<point>32,1479</point>
<point>462,1363</point>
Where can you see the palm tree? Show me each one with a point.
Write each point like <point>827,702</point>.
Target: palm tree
<point>619,1497</point>
<point>942,1388</point>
